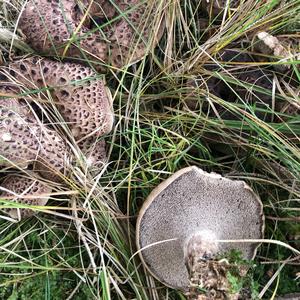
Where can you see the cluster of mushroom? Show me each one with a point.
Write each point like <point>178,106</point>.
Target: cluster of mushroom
<point>65,28</point>
<point>183,226</point>
<point>84,103</point>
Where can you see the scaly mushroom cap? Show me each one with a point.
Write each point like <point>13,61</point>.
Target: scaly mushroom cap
<point>94,151</point>
<point>129,36</point>
<point>50,26</point>
<point>191,202</point>
<point>24,140</point>
<point>99,8</point>
<point>24,190</point>
<point>80,94</point>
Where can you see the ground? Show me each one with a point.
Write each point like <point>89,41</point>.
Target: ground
<point>203,96</point>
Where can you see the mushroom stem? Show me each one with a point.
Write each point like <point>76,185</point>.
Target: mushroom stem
<point>208,280</point>
<point>208,277</point>
<point>201,245</point>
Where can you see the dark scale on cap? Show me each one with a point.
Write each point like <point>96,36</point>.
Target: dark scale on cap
<point>56,22</point>
<point>71,81</point>
<point>25,140</point>
<point>31,191</point>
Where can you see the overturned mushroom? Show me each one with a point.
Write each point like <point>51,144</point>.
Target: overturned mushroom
<point>24,140</point>
<point>59,28</point>
<point>181,221</point>
<point>23,189</point>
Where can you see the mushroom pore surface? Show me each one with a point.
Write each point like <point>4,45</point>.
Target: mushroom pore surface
<point>79,93</point>
<point>293,296</point>
<point>188,202</point>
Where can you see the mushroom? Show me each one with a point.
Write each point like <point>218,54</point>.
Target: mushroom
<point>270,45</point>
<point>181,222</point>
<point>24,140</point>
<point>97,8</point>
<point>53,27</point>
<point>23,189</point>
<point>58,28</point>
<point>81,95</point>
<point>94,152</point>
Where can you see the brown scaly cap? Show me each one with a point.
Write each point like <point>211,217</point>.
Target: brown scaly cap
<point>24,190</point>
<point>194,202</point>
<point>130,35</point>
<point>94,151</point>
<point>99,8</point>
<point>81,95</point>
<point>23,140</point>
<point>49,25</point>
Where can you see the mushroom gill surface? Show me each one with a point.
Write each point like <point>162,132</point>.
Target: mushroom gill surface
<point>62,28</point>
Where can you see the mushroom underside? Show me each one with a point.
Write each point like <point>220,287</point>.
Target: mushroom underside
<point>192,201</point>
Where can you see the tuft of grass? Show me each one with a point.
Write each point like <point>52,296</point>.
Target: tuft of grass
<point>83,244</point>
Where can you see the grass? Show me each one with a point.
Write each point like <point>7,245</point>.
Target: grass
<point>82,245</point>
